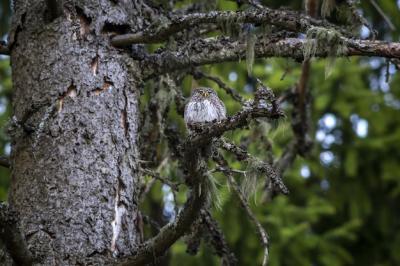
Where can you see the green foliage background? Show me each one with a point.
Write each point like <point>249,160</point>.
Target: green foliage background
<point>344,205</point>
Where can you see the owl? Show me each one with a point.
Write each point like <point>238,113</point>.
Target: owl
<point>204,106</point>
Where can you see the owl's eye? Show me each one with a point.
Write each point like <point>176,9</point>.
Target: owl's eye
<point>203,92</point>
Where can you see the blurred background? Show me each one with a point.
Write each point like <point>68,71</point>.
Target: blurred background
<point>344,205</point>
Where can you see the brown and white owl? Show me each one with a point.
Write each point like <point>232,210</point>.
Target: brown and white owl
<point>204,106</point>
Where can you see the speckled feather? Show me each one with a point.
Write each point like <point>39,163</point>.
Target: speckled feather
<point>204,108</point>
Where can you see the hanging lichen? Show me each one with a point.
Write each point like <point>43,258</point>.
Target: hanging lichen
<point>327,7</point>
<point>249,183</point>
<point>228,26</point>
<point>329,65</point>
<point>251,39</point>
<point>211,188</point>
<point>319,38</point>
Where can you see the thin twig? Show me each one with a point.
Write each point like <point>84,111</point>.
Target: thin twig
<point>287,158</point>
<point>234,185</point>
<point>148,220</point>
<point>363,21</point>
<point>232,92</point>
<point>155,175</point>
<point>384,16</point>
<point>150,184</point>
<point>241,154</point>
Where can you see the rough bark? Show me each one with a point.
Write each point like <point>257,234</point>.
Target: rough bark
<point>74,149</point>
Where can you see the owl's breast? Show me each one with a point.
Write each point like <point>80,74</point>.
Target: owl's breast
<point>203,111</point>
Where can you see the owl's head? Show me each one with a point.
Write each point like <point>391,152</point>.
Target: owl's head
<point>203,92</point>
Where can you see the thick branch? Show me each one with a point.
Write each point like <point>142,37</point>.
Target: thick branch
<point>155,247</point>
<point>217,50</point>
<point>285,19</point>
<point>12,238</point>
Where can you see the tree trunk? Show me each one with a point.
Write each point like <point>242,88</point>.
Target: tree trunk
<point>74,147</point>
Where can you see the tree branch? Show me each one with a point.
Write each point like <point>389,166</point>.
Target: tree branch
<point>252,109</point>
<point>233,93</point>
<point>157,176</point>
<point>222,49</point>
<point>217,239</point>
<point>301,104</point>
<point>287,158</point>
<point>285,19</point>
<point>383,15</point>
<point>155,247</point>
<point>223,167</point>
<point>269,170</point>
<point>196,169</point>
<point>12,238</point>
